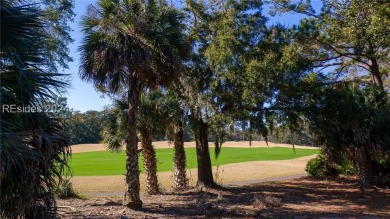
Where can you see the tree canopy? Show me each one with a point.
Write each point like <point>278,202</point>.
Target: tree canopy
<point>346,45</point>
<point>349,39</point>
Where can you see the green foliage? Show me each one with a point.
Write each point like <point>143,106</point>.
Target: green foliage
<point>282,134</point>
<point>56,17</point>
<point>147,39</point>
<point>33,152</point>
<point>114,127</point>
<point>343,30</point>
<point>153,114</point>
<point>103,163</point>
<point>81,128</point>
<point>353,125</point>
<point>320,167</point>
<point>129,46</point>
<point>218,132</point>
<point>252,72</point>
<point>64,189</point>
<point>382,170</point>
<point>346,167</point>
<point>152,118</point>
<point>236,31</point>
<point>345,41</point>
<point>360,119</point>
<point>347,105</point>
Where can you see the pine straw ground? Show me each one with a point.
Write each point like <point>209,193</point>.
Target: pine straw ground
<point>300,198</point>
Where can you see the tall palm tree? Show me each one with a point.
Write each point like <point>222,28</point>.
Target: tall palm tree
<point>33,153</point>
<point>131,44</point>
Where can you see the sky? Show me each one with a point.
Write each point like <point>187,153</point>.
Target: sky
<point>82,96</point>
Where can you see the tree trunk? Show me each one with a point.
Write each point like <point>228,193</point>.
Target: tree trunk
<point>179,160</point>
<point>131,198</point>
<point>363,161</point>
<point>205,174</point>
<point>376,75</point>
<point>150,162</point>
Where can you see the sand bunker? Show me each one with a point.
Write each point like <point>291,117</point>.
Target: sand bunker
<point>165,144</point>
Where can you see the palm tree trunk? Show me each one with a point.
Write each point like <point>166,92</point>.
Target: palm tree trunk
<point>150,162</point>
<point>132,196</point>
<point>205,174</point>
<point>179,160</point>
<point>365,170</point>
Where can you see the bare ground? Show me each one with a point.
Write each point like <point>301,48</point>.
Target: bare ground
<point>300,198</point>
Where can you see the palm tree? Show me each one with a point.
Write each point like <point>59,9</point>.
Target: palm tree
<point>131,44</point>
<point>179,159</point>
<point>174,111</point>
<point>33,153</point>
<point>149,125</point>
<point>157,113</point>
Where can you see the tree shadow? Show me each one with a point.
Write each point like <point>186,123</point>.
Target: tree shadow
<point>305,197</point>
<point>301,198</point>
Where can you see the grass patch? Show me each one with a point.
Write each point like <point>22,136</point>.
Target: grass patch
<point>106,163</point>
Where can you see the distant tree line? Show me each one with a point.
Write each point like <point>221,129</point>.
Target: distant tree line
<point>83,128</point>
<point>86,128</point>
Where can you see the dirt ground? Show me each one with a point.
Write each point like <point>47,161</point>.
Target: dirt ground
<point>224,174</point>
<point>165,144</point>
<point>300,198</point>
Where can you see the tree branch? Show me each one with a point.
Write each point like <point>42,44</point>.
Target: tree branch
<point>343,54</point>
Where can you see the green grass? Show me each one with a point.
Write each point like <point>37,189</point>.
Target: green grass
<point>102,163</point>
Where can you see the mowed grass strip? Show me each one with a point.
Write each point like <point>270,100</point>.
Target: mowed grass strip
<point>107,163</point>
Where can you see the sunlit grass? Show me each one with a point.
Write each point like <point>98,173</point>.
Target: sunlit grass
<point>101,163</point>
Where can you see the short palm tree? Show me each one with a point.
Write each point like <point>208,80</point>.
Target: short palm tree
<point>174,114</point>
<point>33,153</point>
<point>131,44</point>
<point>150,124</point>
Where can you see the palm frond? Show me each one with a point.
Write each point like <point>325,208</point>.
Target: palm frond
<point>114,132</point>
<point>131,39</point>
<point>33,153</point>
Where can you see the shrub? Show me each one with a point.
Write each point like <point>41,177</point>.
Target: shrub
<point>346,168</point>
<point>64,189</point>
<point>319,166</point>
<point>381,170</point>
